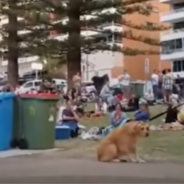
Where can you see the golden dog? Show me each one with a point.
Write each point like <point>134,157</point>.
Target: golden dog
<point>121,143</point>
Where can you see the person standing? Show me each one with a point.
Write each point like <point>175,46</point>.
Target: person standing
<point>98,82</point>
<point>124,81</point>
<point>155,83</point>
<point>167,84</point>
<point>77,82</point>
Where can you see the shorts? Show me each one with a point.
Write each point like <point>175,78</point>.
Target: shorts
<point>167,92</point>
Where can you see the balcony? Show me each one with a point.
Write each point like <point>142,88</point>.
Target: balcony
<point>22,60</point>
<point>171,1</point>
<point>173,16</point>
<point>114,27</point>
<point>84,33</point>
<point>116,43</point>
<point>174,54</point>
<point>172,34</point>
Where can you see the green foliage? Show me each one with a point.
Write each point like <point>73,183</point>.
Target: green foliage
<point>71,18</point>
<point>37,19</point>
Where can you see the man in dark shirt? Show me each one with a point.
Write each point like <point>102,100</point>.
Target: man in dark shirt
<point>70,118</point>
<point>99,82</point>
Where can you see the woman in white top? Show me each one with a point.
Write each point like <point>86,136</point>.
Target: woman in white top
<point>100,107</point>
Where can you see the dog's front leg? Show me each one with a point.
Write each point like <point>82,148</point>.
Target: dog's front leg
<point>135,158</point>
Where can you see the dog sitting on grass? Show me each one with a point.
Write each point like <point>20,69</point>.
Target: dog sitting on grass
<point>121,143</point>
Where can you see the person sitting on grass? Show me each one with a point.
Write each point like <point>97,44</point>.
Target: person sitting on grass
<point>149,96</point>
<point>118,118</point>
<point>79,106</point>
<point>105,93</point>
<point>171,114</point>
<point>143,113</point>
<point>174,118</point>
<point>100,107</point>
<point>113,101</point>
<point>133,104</point>
<point>70,119</point>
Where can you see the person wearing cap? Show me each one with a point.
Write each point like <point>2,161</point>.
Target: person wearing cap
<point>143,113</point>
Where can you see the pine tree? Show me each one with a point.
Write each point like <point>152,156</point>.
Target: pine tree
<point>37,20</point>
<point>9,40</point>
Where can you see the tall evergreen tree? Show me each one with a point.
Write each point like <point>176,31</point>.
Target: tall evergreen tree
<point>37,20</point>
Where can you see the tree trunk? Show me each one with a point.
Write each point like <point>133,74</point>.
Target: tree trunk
<point>13,75</point>
<point>74,43</point>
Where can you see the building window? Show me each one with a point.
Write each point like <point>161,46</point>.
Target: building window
<point>178,25</point>
<point>178,6</point>
<point>168,46</point>
<point>151,24</point>
<point>114,38</point>
<point>178,66</point>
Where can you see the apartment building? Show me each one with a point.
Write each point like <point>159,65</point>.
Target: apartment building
<point>141,66</point>
<point>173,39</point>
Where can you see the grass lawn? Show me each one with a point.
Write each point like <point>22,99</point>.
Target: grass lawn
<point>161,145</point>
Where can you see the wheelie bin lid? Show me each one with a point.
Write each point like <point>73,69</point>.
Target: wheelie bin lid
<point>40,96</point>
<point>6,95</point>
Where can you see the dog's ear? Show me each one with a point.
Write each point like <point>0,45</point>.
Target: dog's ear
<point>139,127</point>
<point>134,128</point>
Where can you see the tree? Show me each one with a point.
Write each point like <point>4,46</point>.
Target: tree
<point>36,19</point>
<point>10,37</point>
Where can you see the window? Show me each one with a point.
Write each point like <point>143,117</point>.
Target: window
<point>178,43</point>
<point>178,66</point>
<point>151,24</point>
<point>178,6</point>
<point>28,85</point>
<point>114,38</point>
<point>37,83</point>
<point>178,25</point>
<point>172,45</point>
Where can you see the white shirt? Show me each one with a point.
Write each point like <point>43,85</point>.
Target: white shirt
<point>125,79</point>
<point>155,79</point>
<point>103,108</point>
<point>59,114</point>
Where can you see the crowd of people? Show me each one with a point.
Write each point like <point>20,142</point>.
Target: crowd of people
<point>71,106</point>
<point>108,102</point>
<point>165,84</point>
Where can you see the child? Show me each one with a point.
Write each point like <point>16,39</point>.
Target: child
<point>143,113</point>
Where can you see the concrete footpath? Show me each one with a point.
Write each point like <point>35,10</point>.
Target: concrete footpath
<point>46,170</point>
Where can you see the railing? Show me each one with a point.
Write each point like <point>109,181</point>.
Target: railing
<point>110,24</point>
<point>171,51</point>
<point>174,11</point>
<point>170,31</point>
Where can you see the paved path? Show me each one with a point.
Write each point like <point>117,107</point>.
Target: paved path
<point>80,171</point>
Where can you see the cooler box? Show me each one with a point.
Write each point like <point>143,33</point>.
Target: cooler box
<point>62,132</point>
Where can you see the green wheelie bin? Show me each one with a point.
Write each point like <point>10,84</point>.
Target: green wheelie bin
<point>138,88</point>
<point>37,116</point>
